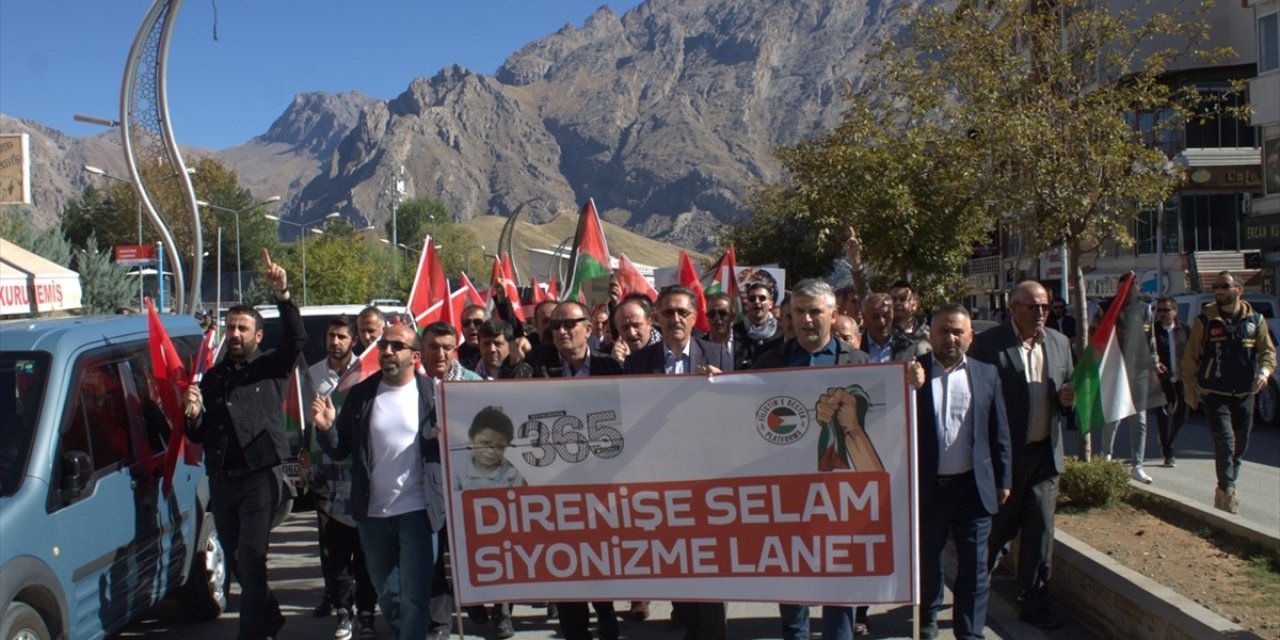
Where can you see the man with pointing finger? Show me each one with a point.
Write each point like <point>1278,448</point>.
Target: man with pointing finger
<point>235,412</point>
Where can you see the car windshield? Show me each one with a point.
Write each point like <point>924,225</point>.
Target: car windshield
<point>23,375</point>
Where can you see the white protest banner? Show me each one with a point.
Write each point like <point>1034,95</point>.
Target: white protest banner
<point>684,487</point>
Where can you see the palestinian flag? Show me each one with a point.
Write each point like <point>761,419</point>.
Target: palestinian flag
<point>724,275</point>
<point>632,281</point>
<point>1101,378</point>
<point>295,420</point>
<point>590,257</point>
<point>366,364</point>
<point>171,385</point>
<point>687,276</point>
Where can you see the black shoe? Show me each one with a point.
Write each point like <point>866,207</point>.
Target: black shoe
<point>1042,619</point>
<point>929,631</point>
<point>367,629</point>
<point>479,614</point>
<point>274,624</point>
<point>322,610</point>
<point>553,611</point>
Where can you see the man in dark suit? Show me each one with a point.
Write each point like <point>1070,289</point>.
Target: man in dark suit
<point>1059,320</point>
<point>964,470</point>
<point>1034,363</point>
<point>680,353</point>
<point>572,358</point>
<point>1171,343</point>
<point>813,304</point>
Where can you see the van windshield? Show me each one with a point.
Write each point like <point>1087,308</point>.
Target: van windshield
<point>23,375</point>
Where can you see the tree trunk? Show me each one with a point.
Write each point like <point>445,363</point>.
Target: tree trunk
<point>1081,300</point>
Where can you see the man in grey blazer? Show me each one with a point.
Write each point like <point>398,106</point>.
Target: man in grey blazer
<point>964,470</point>
<point>1034,364</point>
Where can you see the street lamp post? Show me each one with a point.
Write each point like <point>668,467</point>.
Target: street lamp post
<point>237,212</point>
<point>142,292</point>
<point>305,227</point>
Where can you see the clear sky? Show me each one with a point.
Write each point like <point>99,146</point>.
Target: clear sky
<point>63,57</point>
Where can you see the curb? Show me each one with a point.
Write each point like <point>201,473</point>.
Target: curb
<point>1115,601</point>
<point>1227,522</point>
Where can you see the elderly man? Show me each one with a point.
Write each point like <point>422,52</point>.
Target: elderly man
<point>813,304</point>
<point>387,426</point>
<point>469,351</point>
<point>720,317</point>
<point>572,358</point>
<point>846,328</point>
<point>964,471</point>
<point>369,326</point>
<point>632,321</point>
<point>759,331</point>
<point>881,342</point>
<point>1034,363</point>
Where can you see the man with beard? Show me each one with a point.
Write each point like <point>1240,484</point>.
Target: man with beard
<point>907,326</point>
<point>469,351</point>
<point>963,470</point>
<point>235,412</point>
<point>1229,358</point>
<point>759,330</point>
<point>574,359</point>
<point>387,426</point>
<point>346,580</point>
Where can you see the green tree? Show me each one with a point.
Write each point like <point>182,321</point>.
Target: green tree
<point>1001,111</point>
<point>780,231</point>
<point>416,218</point>
<point>342,268</point>
<point>104,286</point>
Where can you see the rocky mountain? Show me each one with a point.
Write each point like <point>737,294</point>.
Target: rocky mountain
<point>666,115</point>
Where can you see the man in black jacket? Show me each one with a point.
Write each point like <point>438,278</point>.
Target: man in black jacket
<point>236,412</point>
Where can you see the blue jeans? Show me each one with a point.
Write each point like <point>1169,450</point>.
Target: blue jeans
<point>837,622</point>
<point>405,542</point>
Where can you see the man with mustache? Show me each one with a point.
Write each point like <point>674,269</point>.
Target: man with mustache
<point>235,412</point>
<point>387,426</point>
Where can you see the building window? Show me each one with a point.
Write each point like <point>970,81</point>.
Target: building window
<point>1211,222</point>
<point>1219,131</point>
<point>1144,232</point>
<point>1268,42</point>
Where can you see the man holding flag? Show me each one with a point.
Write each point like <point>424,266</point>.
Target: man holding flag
<point>1034,363</point>
<point>1229,358</point>
<point>235,412</point>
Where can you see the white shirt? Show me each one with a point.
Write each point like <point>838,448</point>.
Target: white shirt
<point>326,379</point>
<point>1033,360</point>
<point>953,406</point>
<point>395,476</point>
<point>677,364</point>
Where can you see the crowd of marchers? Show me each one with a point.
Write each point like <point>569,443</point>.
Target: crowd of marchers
<point>991,412</point>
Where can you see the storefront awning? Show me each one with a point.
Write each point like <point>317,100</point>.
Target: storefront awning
<point>32,284</point>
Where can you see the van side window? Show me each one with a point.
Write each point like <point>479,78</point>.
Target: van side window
<point>99,421</point>
<point>157,427</point>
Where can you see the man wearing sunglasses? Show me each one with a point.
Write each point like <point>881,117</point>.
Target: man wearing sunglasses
<point>569,325</point>
<point>1171,344</point>
<point>1034,363</point>
<point>469,351</point>
<point>387,426</point>
<point>1229,358</point>
<point>720,317</point>
<point>759,330</point>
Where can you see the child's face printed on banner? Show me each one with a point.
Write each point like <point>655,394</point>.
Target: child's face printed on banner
<point>487,448</point>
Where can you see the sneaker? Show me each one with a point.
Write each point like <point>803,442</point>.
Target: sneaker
<point>1138,474</point>
<point>345,628</point>
<point>367,629</point>
<point>1233,502</point>
<point>1170,462</point>
<point>322,610</point>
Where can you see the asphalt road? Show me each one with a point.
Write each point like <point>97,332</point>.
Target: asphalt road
<point>295,574</point>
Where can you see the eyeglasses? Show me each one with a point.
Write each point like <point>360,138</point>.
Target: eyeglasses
<point>757,298</point>
<point>718,313</point>
<point>1042,308</point>
<point>565,325</point>
<point>670,313</point>
<point>473,322</point>
<point>1223,285</point>
<point>395,345</point>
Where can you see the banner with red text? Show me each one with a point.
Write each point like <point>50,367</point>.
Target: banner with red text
<point>781,486</point>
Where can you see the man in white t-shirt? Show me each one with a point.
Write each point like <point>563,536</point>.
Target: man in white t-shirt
<point>387,426</point>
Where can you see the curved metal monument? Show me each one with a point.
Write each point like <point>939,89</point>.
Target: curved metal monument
<point>151,151</point>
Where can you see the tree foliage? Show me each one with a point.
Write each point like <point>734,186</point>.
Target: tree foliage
<point>104,287</point>
<point>995,111</point>
<point>342,268</point>
<point>417,218</point>
<point>781,232</point>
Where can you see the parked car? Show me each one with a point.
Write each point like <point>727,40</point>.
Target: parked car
<point>88,537</point>
<point>1189,304</point>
